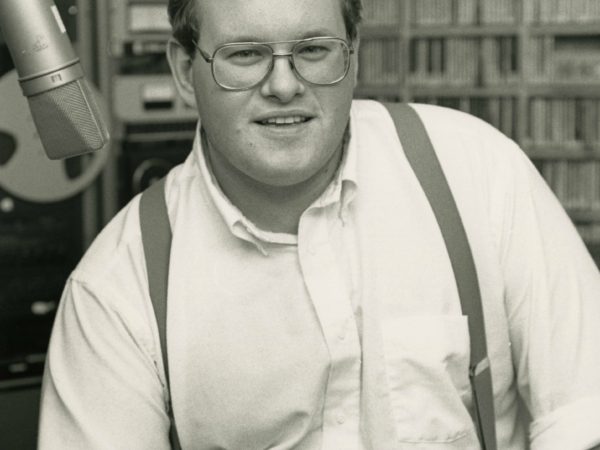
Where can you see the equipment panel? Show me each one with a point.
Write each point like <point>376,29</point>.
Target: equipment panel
<point>40,245</point>
<point>142,26</point>
<point>155,128</point>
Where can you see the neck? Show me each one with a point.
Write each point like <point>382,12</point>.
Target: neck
<point>271,208</point>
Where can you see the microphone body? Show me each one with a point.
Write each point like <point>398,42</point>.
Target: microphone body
<point>62,104</point>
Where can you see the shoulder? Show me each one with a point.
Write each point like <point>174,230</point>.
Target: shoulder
<point>115,259</point>
<point>461,141</point>
<point>484,168</point>
<point>116,256</point>
<point>443,119</point>
<point>463,133</point>
<point>438,121</point>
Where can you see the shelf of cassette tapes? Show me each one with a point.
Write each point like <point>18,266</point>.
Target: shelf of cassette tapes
<point>424,46</point>
<point>572,13</point>
<point>529,67</point>
<point>577,186</point>
<point>382,52</point>
<point>497,110</point>
<point>562,77</point>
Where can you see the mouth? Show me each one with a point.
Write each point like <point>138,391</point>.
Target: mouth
<point>284,121</point>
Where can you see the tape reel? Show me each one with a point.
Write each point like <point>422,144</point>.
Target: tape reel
<point>25,170</point>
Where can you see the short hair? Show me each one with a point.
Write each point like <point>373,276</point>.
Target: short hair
<point>183,18</point>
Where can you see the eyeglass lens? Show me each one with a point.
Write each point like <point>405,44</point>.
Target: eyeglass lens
<point>318,61</point>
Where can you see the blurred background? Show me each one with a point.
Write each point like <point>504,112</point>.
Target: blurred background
<point>529,67</point>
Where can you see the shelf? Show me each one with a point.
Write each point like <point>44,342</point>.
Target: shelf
<point>564,89</point>
<point>594,249</point>
<point>564,151</point>
<point>444,90</point>
<point>391,31</point>
<point>368,31</point>
<point>566,29</point>
<point>458,30</point>
<point>584,216</point>
<point>368,91</point>
<point>20,383</point>
<point>464,31</point>
<point>550,90</point>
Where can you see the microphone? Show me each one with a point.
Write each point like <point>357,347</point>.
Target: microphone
<point>62,104</point>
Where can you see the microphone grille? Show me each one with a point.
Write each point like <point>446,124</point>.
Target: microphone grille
<point>68,120</point>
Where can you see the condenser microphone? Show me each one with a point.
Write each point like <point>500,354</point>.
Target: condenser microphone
<point>62,104</point>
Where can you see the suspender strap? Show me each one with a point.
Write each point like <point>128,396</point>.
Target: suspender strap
<point>424,162</point>
<point>156,238</point>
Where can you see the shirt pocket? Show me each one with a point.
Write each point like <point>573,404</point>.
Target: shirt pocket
<point>427,361</point>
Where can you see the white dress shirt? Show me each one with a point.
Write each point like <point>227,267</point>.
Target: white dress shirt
<point>348,336</point>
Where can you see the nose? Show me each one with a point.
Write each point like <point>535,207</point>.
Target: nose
<point>282,83</point>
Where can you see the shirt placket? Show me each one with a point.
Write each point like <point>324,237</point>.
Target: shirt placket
<point>330,295</point>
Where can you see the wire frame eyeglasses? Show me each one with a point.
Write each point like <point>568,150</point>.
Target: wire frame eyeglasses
<point>240,66</point>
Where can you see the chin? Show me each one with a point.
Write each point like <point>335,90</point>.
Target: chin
<point>287,175</point>
<point>287,170</point>
<point>282,179</point>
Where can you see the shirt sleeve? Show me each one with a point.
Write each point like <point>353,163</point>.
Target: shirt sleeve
<point>101,388</point>
<point>552,296</point>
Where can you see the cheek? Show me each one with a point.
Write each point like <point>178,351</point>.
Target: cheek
<point>336,104</point>
<point>220,113</point>
<point>211,100</point>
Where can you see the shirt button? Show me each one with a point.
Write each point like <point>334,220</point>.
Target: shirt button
<point>342,336</point>
<point>341,418</point>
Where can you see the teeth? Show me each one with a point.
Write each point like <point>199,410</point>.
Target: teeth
<point>284,120</point>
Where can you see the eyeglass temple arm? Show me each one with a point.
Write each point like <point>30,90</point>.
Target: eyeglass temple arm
<point>205,56</point>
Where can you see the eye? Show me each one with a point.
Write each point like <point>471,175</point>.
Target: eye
<point>242,56</point>
<point>245,54</point>
<point>313,51</point>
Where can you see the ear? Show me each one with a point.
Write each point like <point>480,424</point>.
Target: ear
<point>181,64</point>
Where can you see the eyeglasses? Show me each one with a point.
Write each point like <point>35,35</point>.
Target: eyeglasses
<point>239,66</point>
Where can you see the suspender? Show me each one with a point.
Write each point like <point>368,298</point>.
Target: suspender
<point>423,160</point>
<point>156,237</point>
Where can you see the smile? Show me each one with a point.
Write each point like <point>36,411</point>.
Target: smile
<point>282,121</point>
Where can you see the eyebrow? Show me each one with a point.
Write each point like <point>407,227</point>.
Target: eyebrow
<point>255,38</point>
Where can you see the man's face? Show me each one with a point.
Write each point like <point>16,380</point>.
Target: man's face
<point>274,155</point>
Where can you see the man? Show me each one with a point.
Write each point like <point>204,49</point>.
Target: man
<point>311,301</point>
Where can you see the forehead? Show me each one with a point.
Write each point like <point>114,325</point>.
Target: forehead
<point>224,21</point>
